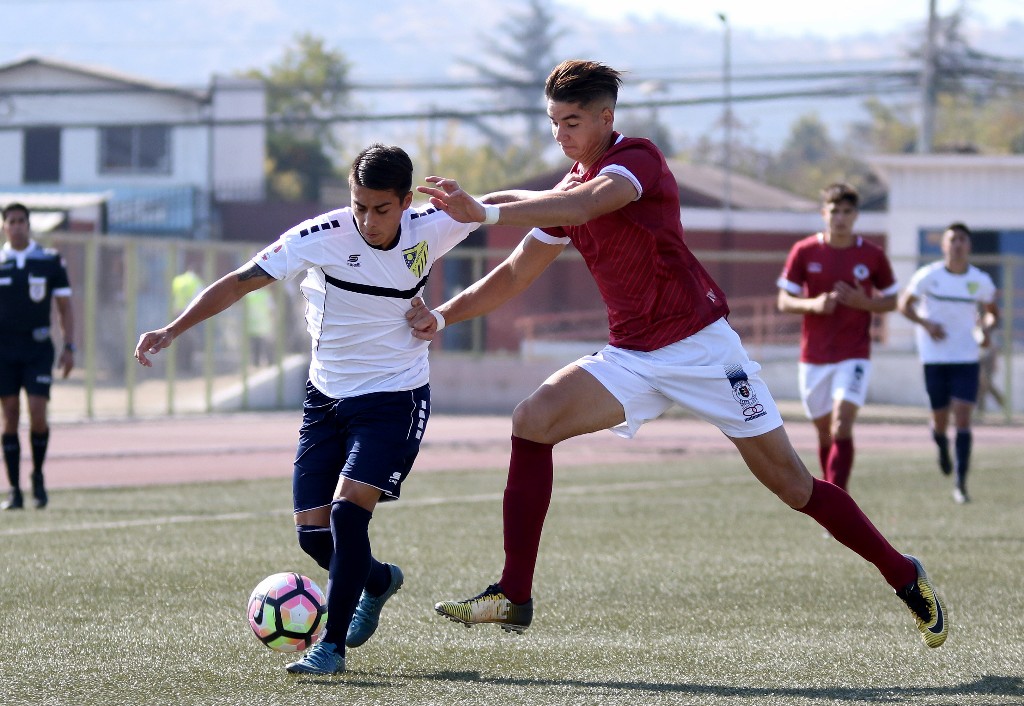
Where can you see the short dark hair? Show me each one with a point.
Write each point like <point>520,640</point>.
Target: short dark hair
<point>960,226</point>
<point>382,168</point>
<point>582,82</point>
<point>840,193</point>
<point>15,206</point>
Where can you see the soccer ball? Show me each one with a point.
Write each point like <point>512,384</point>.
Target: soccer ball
<point>287,612</point>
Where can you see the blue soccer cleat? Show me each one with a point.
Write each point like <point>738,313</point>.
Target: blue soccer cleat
<point>367,615</point>
<point>322,658</point>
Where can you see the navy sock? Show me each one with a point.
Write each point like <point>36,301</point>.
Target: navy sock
<point>350,566</point>
<point>379,579</point>
<point>12,457</point>
<point>39,443</point>
<point>317,542</point>
<point>964,438</point>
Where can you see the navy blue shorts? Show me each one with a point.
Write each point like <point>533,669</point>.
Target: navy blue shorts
<point>26,364</point>
<point>371,439</point>
<point>948,381</point>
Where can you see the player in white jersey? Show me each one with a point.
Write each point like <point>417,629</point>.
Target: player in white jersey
<point>949,301</point>
<point>368,397</point>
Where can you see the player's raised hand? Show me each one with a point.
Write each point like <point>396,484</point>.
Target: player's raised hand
<point>151,342</point>
<point>449,197</point>
<point>421,321</point>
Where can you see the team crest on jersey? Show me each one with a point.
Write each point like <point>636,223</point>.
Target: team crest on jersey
<point>416,258</point>
<point>861,271</point>
<point>37,289</point>
<point>972,288</point>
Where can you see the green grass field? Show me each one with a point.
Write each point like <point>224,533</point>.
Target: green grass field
<point>681,583</point>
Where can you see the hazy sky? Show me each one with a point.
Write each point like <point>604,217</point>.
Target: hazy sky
<point>186,42</point>
<point>798,17</point>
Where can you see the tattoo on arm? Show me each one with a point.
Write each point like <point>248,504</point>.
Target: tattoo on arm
<point>253,271</point>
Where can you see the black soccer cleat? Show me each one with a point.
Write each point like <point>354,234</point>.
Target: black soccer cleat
<point>39,491</point>
<point>14,500</point>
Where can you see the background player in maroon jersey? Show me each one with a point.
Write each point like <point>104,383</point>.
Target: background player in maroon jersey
<point>669,343</point>
<point>837,281</point>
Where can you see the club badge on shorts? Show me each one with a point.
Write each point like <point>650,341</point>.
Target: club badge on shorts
<point>743,393</point>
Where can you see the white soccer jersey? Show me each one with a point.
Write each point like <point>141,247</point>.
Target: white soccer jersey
<point>953,301</point>
<point>357,296</point>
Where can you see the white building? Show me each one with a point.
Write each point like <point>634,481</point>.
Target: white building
<point>161,152</point>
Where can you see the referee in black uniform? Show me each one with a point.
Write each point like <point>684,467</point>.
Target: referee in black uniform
<point>31,277</point>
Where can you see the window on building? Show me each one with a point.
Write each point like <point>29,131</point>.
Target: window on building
<point>42,155</point>
<point>135,149</point>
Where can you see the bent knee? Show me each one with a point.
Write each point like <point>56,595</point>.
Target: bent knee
<point>531,420</point>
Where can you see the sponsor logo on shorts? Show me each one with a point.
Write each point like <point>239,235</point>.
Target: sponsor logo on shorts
<point>395,478</point>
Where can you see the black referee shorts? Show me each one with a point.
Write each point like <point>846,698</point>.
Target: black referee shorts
<point>26,365</point>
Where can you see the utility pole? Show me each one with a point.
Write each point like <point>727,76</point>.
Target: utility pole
<point>727,121</point>
<point>926,133</point>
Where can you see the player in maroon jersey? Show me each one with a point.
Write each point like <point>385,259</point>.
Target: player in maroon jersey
<point>837,281</point>
<point>669,343</point>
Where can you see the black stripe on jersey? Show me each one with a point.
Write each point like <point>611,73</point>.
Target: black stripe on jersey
<point>359,288</point>
<point>318,227</point>
<point>427,212</point>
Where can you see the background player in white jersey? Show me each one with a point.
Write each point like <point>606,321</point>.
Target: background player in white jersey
<point>837,281</point>
<point>367,398</point>
<point>949,301</point>
<point>31,279</point>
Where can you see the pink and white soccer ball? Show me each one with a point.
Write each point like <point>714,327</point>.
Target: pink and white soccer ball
<point>287,611</point>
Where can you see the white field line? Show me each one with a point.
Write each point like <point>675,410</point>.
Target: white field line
<point>573,490</point>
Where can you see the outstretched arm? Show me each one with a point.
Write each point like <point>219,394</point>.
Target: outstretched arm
<point>210,302</point>
<point>519,270</point>
<point>575,203</point>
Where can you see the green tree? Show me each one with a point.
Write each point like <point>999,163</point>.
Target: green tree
<point>305,88</point>
<point>979,103</point>
<point>481,168</point>
<point>518,58</point>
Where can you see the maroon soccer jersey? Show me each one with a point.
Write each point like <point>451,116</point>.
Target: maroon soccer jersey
<point>655,290</point>
<point>814,267</point>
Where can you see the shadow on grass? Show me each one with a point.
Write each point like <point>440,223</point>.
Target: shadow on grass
<point>990,685</point>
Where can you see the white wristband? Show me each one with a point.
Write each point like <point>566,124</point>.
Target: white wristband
<point>440,319</point>
<point>491,214</point>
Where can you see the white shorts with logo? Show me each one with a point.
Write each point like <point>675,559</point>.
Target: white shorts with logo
<point>708,374</point>
<point>822,385</point>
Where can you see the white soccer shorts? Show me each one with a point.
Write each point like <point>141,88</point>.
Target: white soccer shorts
<point>708,374</point>
<point>822,385</point>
